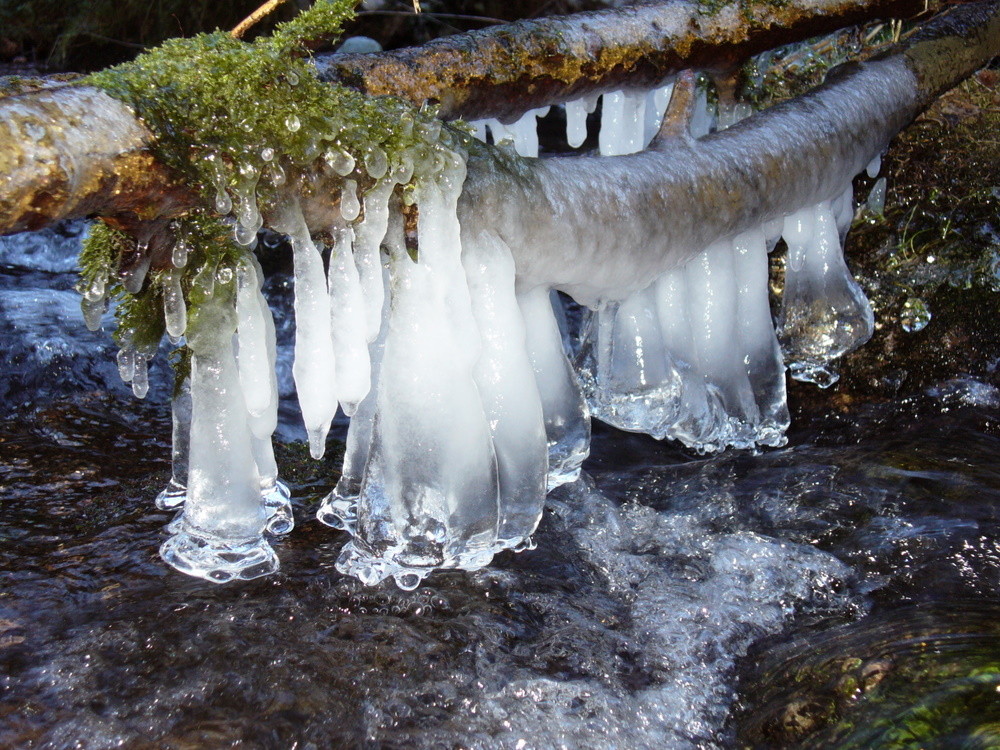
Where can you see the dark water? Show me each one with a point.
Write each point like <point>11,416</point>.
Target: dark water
<point>822,595</point>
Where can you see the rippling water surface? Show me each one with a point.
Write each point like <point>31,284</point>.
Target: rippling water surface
<point>823,595</point>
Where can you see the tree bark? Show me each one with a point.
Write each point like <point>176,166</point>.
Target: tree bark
<point>506,70</point>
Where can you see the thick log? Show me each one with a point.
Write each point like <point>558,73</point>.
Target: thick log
<point>506,70</point>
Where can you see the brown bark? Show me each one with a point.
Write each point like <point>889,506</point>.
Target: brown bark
<point>72,151</point>
<point>505,70</point>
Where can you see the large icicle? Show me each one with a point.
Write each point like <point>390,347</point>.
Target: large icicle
<point>824,313</point>
<point>339,508</point>
<point>567,419</point>
<point>256,360</point>
<point>430,492</point>
<point>506,382</point>
<point>314,366</point>
<point>348,322</point>
<point>760,350</point>
<point>712,303</point>
<point>220,535</point>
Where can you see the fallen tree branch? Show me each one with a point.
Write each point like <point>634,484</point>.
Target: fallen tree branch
<point>625,220</point>
<point>93,158</point>
<point>506,70</point>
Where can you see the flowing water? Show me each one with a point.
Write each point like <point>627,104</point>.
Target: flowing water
<point>821,595</point>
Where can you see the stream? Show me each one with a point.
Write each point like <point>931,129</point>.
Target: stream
<point>839,592</point>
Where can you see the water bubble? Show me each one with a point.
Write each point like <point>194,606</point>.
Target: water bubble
<point>275,174</point>
<point>224,275</point>
<point>223,203</point>
<point>915,316</point>
<point>267,153</point>
<point>376,163</point>
<point>292,123</point>
<point>179,255</point>
<point>292,77</point>
<point>340,162</point>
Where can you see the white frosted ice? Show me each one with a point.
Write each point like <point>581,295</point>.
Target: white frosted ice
<point>506,382</point>
<point>623,122</point>
<point>314,365</point>
<point>348,323</point>
<point>431,501</point>
<point>256,367</point>
<point>824,313</point>
<point>368,236</point>
<point>567,420</point>
<point>576,122</point>
<point>220,532</point>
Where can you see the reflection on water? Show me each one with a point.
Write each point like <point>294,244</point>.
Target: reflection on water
<point>823,580</point>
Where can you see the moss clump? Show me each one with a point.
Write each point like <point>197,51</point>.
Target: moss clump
<point>249,123</point>
<point>242,118</point>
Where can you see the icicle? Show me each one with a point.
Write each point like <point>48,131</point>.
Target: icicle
<point>339,508</point>
<point>506,383</point>
<point>140,376</point>
<point>824,313</point>
<point>760,349</point>
<point>696,421</point>
<point>348,325</point>
<point>248,218</point>
<point>627,375</point>
<point>134,276</point>
<point>179,254</point>
<point>702,119</point>
<point>255,370</point>
<point>622,123</point>
<point>712,309</point>
<point>500,132</point>
<point>94,303</point>
<point>126,363</point>
<point>479,129</point>
<point>174,307</point>
<point>567,421</point>
<point>314,365</point>
<point>368,254</point>
<point>525,132</point>
<point>220,535</point>
<point>876,198</point>
<point>256,363</point>
<point>430,494</point>
<point>843,210</point>
<point>173,495</point>
<point>874,166</point>
<point>576,122</point>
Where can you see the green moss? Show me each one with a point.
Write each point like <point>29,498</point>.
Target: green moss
<point>248,123</point>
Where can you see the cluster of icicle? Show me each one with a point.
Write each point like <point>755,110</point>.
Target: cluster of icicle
<point>464,406</point>
<point>695,355</point>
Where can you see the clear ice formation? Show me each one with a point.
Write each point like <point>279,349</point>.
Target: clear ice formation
<point>824,313</point>
<point>464,407</point>
<point>220,534</point>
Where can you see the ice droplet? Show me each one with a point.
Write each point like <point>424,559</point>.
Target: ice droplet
<point>292,123</point>
<point>915,316</point>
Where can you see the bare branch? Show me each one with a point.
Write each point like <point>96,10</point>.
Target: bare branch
<point>505,70</point>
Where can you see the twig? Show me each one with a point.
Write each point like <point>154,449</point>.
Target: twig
<point>445,16</point>
<point>241,28</point>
